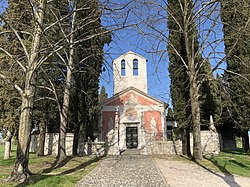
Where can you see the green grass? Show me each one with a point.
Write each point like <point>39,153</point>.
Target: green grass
<point>71,171</point>
<point>231,162</point>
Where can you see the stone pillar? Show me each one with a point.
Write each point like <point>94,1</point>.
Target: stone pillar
<point>211,124</point>
<point>7,145</point>
<point>116,150</point>
<point>163,122</point>
<point>143,136</point>
<point>33,143</point>
<point>142,130</point>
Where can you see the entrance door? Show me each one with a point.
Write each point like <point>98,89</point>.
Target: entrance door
<point>131,137</point>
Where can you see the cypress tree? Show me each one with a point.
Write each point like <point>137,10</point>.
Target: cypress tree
<point>192,91</point>
<point>89,61</point>
<point>179,87</point>
<point>236,27</point>
<point>17,15</point>
<point>103,94</point>
<point>209,96</point>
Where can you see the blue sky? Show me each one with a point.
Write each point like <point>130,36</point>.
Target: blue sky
<point>157,70</point>
<point>3,5</point>
<point>130,39</point>
<point>145,45</point>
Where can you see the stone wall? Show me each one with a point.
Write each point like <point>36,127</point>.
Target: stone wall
<point>210,145</point>
<point>210,142</point>
<point>51,145</point>
<point>162,147</point>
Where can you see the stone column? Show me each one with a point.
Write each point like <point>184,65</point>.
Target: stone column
<point>116,150</point>
<point>163,121</point>
<point>143,134</point>
<point>33,143</point>
<point>7,145</point>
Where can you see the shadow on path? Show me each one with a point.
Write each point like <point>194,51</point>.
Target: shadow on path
<point>228,177</point>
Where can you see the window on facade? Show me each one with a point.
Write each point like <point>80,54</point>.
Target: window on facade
<point>135,67</point>
<point>123,68</point>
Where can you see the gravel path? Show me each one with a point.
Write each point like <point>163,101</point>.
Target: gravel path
<point>124,171</point>
<point>189,174</point>
<point>144,171</point>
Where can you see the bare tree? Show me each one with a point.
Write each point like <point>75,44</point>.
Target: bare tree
<point>21,170</point>
<point>198,20</point>
<point>36,53</point>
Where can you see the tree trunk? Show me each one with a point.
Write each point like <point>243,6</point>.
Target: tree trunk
<point>7,145</point>
<point>195,109</point>
<point>81,143</point>
<point>76,117</point>
<point>190,37</point>
<point>76,139</point>
<point>186,142</point>
<point>21,171</point>
<point>40,151</point>
<point>62,137</point>
<point>245,145</point>
<point>65,108</point>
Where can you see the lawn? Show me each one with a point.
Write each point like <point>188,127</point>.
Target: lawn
<point>231,162</point>
<point>71,171</point>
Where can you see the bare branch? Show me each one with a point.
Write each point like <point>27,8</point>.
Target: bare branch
<point>17,35</point>
<point>18,62</point>
<point>9,81</point>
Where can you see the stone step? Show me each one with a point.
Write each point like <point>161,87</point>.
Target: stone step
<point>131,152</point>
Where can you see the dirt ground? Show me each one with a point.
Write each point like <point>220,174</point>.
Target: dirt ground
<point>189,174</point>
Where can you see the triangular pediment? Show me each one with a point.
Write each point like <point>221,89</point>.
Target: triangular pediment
<point>131,96</point>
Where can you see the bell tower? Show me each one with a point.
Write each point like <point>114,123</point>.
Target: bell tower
<point>130,69</point>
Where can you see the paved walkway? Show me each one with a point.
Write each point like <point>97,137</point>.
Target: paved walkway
<point>134,170</point>
<point>128,170</point>
<point>189,174</point>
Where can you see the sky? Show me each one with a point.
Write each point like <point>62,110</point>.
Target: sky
<point>157,69</point>
<point>129,39</point>
<point>144,41</point>
<point>139,41</point>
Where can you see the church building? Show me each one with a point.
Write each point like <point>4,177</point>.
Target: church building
<point>131,118</point>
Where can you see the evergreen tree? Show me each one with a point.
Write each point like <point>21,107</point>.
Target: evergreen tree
<point>192,91</point>
<point>28,63</point>
<point>18,15</point>
<point>179,87</point>
<point>235,15</point>
<point>88,66</point>
<point>103,94</point>
<point>209,97</point>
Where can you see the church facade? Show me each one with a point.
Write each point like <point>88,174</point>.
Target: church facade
<point>131,119</point>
